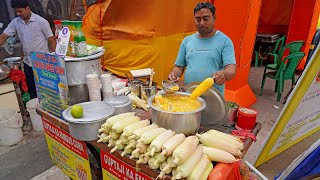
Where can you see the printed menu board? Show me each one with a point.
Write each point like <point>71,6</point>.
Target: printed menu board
<point>115,169</point>
<point>67,153</point>
<point>51,82</point>
<point>300,116</point>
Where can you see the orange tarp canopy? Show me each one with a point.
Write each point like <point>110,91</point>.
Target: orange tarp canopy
<point>147,33</point>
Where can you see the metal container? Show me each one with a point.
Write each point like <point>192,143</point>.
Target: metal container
<point>215,111</point>
<point>78,94</point>
<point>187,123</point>
<point>122,104</point>
<point>4,71</point>
<point>231,115</point>
<point>78,68</point>
<point>148,91</point>
<point>13,62</point>
<point>95,114</point>
<point>135,87</point>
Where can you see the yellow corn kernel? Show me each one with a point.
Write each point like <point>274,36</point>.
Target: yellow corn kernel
<point>203,87</point>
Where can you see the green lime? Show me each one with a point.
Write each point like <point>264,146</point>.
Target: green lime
<point>76,111</point>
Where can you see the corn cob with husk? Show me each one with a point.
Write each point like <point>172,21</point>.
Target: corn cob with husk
<point>170,145</point>
<point>153,163</point>
<point>128,130</point>
<point>118,146</point>
<point>149,136</point>
<point>227,137</point>
<point>185,149</point>
<point>199,168</point>
<point>157,143</point>
<point>103,138</point>
<point>184,169</point>
<point>218,155</point>
<point>206,172</point>
<point>166,167</point>
<point>121,124</point>
<point>137,133</point>
<point>203,87</point>
<point>106,127</point>
<point>219,143</point>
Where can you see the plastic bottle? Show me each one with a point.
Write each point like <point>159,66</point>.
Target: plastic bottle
<point>80,40</point>
<point>58,27</point>
<point>71,47</point>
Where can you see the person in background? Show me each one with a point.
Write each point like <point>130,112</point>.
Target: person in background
<point>35,35</point>
<point>207,53</point>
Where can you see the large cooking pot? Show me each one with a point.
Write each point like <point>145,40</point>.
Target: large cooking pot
<point>78,68</point>
<point>187,123</point>
<point>95,114</point>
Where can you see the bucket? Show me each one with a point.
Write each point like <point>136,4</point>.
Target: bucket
<point>147,91</point>
<point>10,127</point>
<point>246,119</point>
<point>35,118</point>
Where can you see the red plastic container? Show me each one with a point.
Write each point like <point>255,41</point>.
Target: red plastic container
<point>246,119</point>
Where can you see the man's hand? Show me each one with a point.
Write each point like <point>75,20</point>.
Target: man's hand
<point>3,38</point>
<point>173,77</point>
<point>219,78</point>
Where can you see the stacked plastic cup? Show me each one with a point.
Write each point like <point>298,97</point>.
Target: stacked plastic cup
<point>93,84</point>
<point>106,80</point>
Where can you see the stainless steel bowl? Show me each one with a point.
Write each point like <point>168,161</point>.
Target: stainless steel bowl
<point>187,123</point>
<point>4,71</point>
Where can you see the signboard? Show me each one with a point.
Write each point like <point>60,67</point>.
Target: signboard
<point>67,153</point>
<point>115,169</point>
<point>51,82</point>
<point>63,42</point>
<point>300,116</point>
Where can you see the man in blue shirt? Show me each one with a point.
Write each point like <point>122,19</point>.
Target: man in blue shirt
<point>207,53</point>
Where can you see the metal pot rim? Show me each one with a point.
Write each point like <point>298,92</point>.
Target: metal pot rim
<point>202,101</point>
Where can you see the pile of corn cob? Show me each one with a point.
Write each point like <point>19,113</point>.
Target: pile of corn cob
<point>175,154</point>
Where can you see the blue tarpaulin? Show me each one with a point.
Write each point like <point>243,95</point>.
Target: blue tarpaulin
<point>306,165</point>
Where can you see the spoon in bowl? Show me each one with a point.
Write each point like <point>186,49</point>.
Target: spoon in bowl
<point>170,87</point>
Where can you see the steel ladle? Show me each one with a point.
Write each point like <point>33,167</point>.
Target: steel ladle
<point>170,87</point>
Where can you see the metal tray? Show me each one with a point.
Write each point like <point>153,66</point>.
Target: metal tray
<point>216,109</point>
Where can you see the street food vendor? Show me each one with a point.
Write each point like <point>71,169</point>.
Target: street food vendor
<point>35,35</point>
<point>207,53</point>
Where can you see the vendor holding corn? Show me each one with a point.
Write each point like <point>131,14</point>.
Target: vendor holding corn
<point>207,53</point>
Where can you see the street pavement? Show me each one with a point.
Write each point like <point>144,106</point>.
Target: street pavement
<point>29,159</point>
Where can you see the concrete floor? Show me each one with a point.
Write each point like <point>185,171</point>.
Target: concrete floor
<point>29,159</point>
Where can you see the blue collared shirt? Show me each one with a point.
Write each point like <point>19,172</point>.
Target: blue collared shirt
<point>33,35</point>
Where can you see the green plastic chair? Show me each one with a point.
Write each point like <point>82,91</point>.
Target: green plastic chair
<point>259,57</point>
<point>293,47</point>
<point>277,47</point>
<point>285,70</point>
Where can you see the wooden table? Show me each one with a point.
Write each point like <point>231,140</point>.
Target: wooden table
<point>143,168</point>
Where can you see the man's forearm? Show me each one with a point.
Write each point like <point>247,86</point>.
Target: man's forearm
<point>3,38</point>
<point>52,44</point>
<point>229,71</point>
<point>177,70</point>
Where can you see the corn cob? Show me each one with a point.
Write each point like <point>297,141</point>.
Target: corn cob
<point>215,132</point>
<point>199,169</point>
<point>149,136</point>
<point>169,146</point>
<point>203,87</point>
<point>111,142</point>
<point>157,143</point>
<point>185,149</point>
<point>118,146</point>
<point>114,135</point>
<point>127,131</point>
<point>218,155</point>
<point>139,102</point>
<point>160,158</point>
<point>168,171</point>
<point>126,151</point>
<point>216,142</point>
<point>187,166</point>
